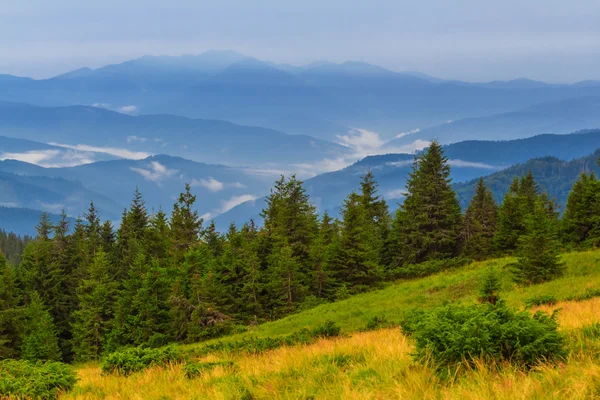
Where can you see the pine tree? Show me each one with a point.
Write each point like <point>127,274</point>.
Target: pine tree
<point>322,254</point>
<point>377,213</point>
<point>479,224</point>
<point>93,229</point>
<point>186,225</point>
<point>92,320</point>
<point>158,240</point>
<point>286,283</point>
<point>580,220</point>
<point>490,289</point>
<point>11,319</point>
<point>538,249</point>
<point>40,339</point>
<point>356,257</point>
<point>429,221</point>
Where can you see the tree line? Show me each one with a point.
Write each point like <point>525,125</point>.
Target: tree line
<point>79,292</point>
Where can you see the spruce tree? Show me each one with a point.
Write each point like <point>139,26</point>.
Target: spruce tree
<point>429,220</point>
<point>322,255</point>
<point>40,338</point>
<point>377,213</point>
<point>580,220</point>
<point>186,225</point>
<point>287,283</point>
<point>93,318</point>
<point>11,318</point>
<point>538,251</point>
<point>490,289</point>
<point>479,224</point>
<point>356,256</point>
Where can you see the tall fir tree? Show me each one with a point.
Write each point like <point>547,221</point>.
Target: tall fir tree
<point>377,213</point>
<point>429,220</point>
<point>479,223</point>
<point>11,316</point>
<point>40,338</point>
<point>538,251</point>
<point>93,318</point>
<point>356,259</point>
<point>186,225</point>
<point>581,219</point>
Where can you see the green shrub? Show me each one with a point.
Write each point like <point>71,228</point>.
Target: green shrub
<point>376,322</point>
<point>540,300</point>
<point>38,380</point>
<point>193,370</point>
<point>137,359</point>
<point>410,319</point>
<point>327,330</point>
<point>490,289</point>
<point>457,334</point>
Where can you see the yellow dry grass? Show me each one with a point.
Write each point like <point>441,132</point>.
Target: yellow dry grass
<point>369,365</point>
<point>572,314</point>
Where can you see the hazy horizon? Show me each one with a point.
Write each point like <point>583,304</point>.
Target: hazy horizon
<point>551,41</point>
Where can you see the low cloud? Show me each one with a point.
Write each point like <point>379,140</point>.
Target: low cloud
<point>113,151</point>
<point>133,138</point>
<point>468,164</point>
<point>402,134</point>
<point>155,172</point>
<point>211,184</point>
<point>51,158</point>
<point>128,109</point>
<point>403,163</point>
<point>52,207</point>
<point>101,105</point>
<point>361,140</point>
<point>236,201</point>
<point>9,204</point>
<point>396,193</point>
<point>214,185</point>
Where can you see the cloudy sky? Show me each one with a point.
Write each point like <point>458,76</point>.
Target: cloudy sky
<point>552,40</point>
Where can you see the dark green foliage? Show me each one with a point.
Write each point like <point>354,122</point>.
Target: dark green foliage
<point>589,293</point>
<point>427,226</point>
<point>196,369</point>
<point>24,379</point>
<point>40,338</point>
<point>479,224</point>
<point>12,246</point>
<point>581,220</point>
<point>327,330</point>
<point>93,319</point>
<point>11,316</point>
<point>490,289</point>
<point>495,333</point>
<point>538,250</point>
<point>137,359</point>
<point>540,300</point>
<point>356,258</point>
<point>410,320</point>
<point>377,322</point>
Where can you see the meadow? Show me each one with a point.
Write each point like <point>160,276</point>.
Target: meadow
<point>378,364</point>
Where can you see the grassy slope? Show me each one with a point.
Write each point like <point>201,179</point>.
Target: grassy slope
<point>378,364</point>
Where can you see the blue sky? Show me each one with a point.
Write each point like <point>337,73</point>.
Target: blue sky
<point>551,40</point>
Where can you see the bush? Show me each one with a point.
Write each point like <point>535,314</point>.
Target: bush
<point>540,300</point>
<point>490,289</point>
<point>376,322</point>
<point>38,380</point>
<point>456,334</point>
<point>137,359</point>
<point>589,293</point>
<point>193,370</point>
<point>410,319</point>
<point>327,330</point>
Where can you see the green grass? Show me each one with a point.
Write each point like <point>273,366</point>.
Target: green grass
<point>455,286</point>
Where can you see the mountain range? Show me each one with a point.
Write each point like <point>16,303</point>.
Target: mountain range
<point>320,99</point>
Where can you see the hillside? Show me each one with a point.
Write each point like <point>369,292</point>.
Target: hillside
<point>378,364</point>
<point>549,117</point>
<point>554,175</point>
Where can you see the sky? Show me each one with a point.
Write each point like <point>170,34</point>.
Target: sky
<point>473,40</point>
